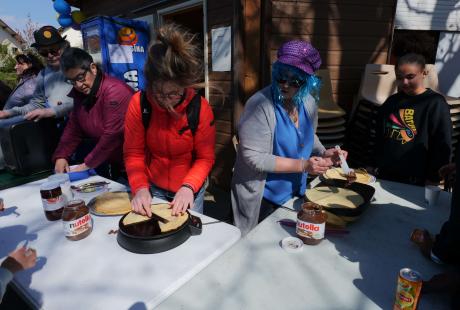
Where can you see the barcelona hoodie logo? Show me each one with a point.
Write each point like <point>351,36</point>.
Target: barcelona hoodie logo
<point>401,127</point>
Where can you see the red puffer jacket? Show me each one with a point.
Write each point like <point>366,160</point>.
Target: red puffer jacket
<point>161,155</point>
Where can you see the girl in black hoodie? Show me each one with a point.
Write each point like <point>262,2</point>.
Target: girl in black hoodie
<point>414,129</point>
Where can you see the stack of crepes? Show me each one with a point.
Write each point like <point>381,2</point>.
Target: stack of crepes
<point>362,176</point>
<point>162,210</point>
<point>112,203</point>
<point>337,198</point>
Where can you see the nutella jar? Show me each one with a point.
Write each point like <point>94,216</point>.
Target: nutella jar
<point>76,220</point>
<point>311,223</point>
<point>53,200</point>
<point>64,181</point>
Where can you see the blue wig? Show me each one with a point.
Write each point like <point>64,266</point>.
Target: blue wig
<point>311,83</point>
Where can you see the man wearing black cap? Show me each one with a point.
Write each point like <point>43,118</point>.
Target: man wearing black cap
<point>50,96</point>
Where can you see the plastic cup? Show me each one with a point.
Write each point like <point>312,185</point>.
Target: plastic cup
<point>432,194</point>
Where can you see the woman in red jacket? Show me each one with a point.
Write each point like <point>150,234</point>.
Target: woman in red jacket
<point>165,158</point>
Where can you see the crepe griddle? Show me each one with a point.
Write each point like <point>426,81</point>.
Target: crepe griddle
<point>147,238</point>
<point>364,190</point>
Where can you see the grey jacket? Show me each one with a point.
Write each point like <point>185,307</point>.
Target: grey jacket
<point>22,93</point>
<point>5,277</point>
<point>51,92</point>
<point>255,157</point>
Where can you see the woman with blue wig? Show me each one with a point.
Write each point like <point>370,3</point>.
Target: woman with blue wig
<point>278,145</point>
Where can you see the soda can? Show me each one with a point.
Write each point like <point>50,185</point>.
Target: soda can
<point>408,290</point>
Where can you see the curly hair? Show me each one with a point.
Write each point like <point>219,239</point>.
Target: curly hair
<point>174,57</point>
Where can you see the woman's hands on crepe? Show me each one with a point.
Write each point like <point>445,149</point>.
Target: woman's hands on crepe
<point>142,201</point>
<point>182,200</point>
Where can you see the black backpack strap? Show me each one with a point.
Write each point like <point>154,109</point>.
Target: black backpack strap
<point>193,115</point>
<point>146,110</point>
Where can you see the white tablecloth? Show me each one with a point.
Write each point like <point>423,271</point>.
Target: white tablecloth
<point>96,273</point>
<point>355,271</point>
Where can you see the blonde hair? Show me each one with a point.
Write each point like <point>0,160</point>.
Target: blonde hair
<point>174,57</point>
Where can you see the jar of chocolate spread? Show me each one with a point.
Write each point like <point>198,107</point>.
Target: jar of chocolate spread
<point>53,200</point>
<point>311,223</point>
<point>64,181</point>
<point>76,220</point>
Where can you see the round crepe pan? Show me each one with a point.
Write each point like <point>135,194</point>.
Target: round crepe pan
<point>146,237</point>
<point>364,190</point>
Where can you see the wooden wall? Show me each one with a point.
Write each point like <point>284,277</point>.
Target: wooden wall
<point>348,34</point>
<point>220,13</point>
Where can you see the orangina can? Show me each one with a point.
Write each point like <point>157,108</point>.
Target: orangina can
<point>408,291</point>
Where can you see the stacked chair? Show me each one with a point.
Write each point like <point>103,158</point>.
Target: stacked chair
<point>377,84</point>
<point>331,118</point>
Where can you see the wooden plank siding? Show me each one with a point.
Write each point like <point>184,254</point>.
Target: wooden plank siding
<point>220,14</point>
<point>347,33</point>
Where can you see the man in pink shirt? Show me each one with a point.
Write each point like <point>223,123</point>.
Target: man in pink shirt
<point>100,104</point>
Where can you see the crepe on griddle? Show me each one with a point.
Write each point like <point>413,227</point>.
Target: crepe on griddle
<point>112,203</point>
<point>334,197</point>
<point>337,173</point>
<point>163,210</point>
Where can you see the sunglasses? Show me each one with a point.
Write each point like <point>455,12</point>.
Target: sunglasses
<point>296,83</point>
<point>79,78</point>
<point>46,51</point>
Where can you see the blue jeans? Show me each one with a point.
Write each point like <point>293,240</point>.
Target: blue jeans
<point>7,122</point>
<point>169,196</point>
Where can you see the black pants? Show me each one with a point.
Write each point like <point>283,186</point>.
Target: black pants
<point>447,244</point>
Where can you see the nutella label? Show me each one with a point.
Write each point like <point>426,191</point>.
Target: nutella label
<point>78,226</point>
<point>52,204</point>
<point>310,230</point>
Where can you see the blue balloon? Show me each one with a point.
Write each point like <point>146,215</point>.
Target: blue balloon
<point>65,20</point>
<point>62,7</point>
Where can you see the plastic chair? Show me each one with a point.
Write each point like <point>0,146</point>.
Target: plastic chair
<point>378,83</point>
<point>431,80</point>
<point>327,108</point>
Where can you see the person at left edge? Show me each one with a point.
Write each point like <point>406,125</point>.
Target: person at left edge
<point>100,104</point>
<point>50,96</point>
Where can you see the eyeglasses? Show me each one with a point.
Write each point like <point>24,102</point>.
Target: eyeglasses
<point>170,96</point>
<point>45,51</point>
<point>296,83</point>
<point>79,78</point>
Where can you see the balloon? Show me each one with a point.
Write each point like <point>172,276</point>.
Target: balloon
<point>61,7</point>
<point>78,17</point>
<point>65,20</point>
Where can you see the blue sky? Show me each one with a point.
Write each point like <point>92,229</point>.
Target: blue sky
<point>14,12</point>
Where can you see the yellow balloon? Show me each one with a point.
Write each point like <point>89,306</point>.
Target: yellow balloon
<point>78,16</point>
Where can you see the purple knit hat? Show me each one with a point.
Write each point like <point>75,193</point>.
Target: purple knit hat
<point>300,54</point>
